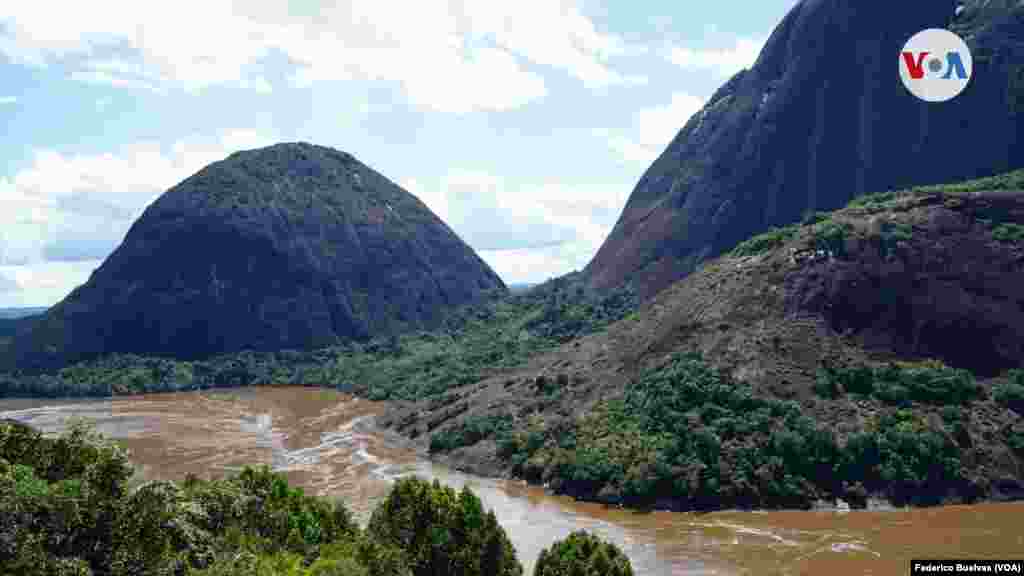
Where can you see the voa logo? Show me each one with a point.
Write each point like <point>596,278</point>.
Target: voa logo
<point>936,65</point>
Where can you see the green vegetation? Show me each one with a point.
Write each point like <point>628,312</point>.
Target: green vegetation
<point>476,341</point>
<point>769,240</point>
<point>830,237</point>
<point>67,504</point>
<point>687,436</point>
<point>1009,232</point>
<point>901,384</point>
<point>470,431</point>
<point>68,510</point>
<point>1008,181</point>
<point>827,234</point>
<point>582,553</point>
<point>443,531</point>
<point>1011,392</point>
<point>876,199</point>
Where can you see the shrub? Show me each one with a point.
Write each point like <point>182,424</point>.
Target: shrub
<point>472,430</point>
<point>1015,439</point>
<point>67,509</point>
<point>1008,232</point>
<point>769,240</point>
<point>830,236</point>
<point>443,531</point>
<point>693,434</point>
<point>582,553</point>
<point>1011,394</point>
<point>875,199</point>
<point>928,383</point>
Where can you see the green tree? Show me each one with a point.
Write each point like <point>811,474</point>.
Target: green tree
<point>443,531</point>
<point>584,554</point>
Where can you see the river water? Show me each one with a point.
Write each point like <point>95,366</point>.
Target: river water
<point>325,442</point>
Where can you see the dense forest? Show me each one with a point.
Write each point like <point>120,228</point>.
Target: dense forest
<point>687,436</point>
<point>477,340</point>
<point>72,506</point>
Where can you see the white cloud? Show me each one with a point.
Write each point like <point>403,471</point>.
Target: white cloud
<point>556,34</point>
<point>450,55</point>
<point>527,232</point>
<point>8,284</point>
<point>489,213</point>
<point>8,100</point>
<point>540,264</point>
<point>725,61</point>
<point>43,283</point>
<point>106,78</point>
<point>652,129</point>
<point>75,208</point>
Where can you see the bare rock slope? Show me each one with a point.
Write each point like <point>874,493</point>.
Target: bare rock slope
<point>820,118</point>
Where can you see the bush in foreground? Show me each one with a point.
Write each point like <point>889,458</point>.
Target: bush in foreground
<point>66,510</point>
<point>443,531</point>
<point>582,553</point>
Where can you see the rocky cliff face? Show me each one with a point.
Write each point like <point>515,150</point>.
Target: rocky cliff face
<point>820,118</point>
<point>290,246</point>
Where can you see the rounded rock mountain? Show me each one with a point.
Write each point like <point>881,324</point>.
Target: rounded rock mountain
<point>284,247</point>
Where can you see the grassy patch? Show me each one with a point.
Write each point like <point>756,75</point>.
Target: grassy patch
<point>1008,181</point>
<point>769,240</point>
<point>876,199</point>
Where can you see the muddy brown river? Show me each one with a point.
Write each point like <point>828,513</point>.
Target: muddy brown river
<point>325,442</point>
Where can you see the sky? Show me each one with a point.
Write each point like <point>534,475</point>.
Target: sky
<point>524,125</point>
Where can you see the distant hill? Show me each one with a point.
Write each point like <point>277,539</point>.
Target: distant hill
<point>289,246</point>
<point>820,118</point>
<point>521,286</point>
<point>10,313</point>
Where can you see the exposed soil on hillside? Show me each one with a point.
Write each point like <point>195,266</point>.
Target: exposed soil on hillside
<point>897,277</point>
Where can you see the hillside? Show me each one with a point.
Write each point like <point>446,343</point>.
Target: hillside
<point>820,118</point>
<point>476,340</point>
<point>894,326</point>
<point>872,352</point>
<point>290,246</point>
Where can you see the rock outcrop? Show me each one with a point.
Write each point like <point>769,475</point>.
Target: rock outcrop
<point>289,246</point>
<point>821,117</point>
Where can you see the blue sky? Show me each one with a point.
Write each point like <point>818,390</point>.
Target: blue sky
<point>524,125</point>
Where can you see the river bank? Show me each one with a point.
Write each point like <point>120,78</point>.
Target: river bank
<point>330,444</point>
